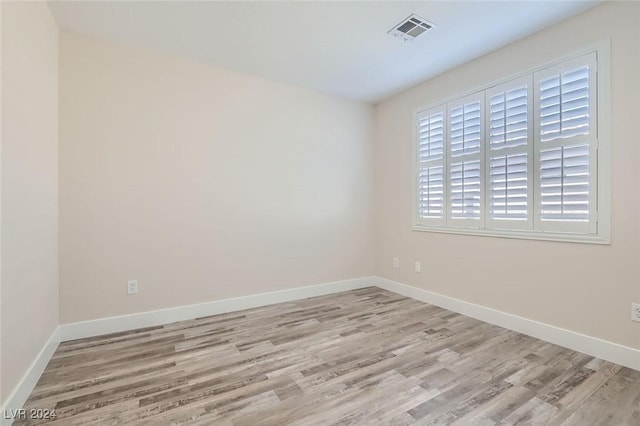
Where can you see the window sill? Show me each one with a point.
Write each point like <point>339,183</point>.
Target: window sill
<point>523,235</point>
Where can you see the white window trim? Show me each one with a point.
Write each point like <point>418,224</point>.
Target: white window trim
<point>602,156</point>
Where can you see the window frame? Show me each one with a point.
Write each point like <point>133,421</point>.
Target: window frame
<point>600,152</point>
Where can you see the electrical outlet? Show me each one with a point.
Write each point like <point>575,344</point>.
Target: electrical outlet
<point>132,286</point>
<point>418,267</point>
<point>396,262</point>
<point>635,311</point>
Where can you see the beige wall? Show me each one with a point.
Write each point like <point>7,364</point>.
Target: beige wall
<point>202,183</point>
<point>580,287</point>
<point>29,164</point>
<point>205,184</point>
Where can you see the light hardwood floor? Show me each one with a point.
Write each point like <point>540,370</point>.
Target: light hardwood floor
<point>366,356</point>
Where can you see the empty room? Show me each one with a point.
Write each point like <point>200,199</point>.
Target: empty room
<point>319,212</point>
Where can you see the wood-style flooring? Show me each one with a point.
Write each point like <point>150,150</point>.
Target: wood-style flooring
<point>366,356</point>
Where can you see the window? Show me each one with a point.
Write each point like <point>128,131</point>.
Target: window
<point>517,159</point>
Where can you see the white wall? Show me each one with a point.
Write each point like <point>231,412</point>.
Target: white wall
<point>29,188</point>
<point>580,287</point>
<point>202,183</point>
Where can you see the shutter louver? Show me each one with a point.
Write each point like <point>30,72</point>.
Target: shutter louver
<point>564,183</point>
<point>466,186</point>
<point>464,134</point>
<point>508,187</point>
<point>508,121</point>
<point>564,104</point>
<point>431,137</point>
<point>431,192</point>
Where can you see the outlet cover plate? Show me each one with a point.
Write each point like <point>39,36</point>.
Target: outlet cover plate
<point>132,286</point>
<point>635,311</point>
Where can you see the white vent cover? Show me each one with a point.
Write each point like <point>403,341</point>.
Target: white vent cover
<point>411,27</point>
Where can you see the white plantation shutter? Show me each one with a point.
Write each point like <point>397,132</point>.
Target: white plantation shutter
<point>509,155</point>
<point>566,160</point>
<point>431,165</point>
<point>517,159</point>
<point>464,150</point>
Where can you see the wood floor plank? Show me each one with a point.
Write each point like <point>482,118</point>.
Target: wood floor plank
<point>366,357</point>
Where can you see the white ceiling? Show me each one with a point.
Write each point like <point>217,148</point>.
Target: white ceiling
<point>339,47</point>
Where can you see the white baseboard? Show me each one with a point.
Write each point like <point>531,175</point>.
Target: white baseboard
<point>21,392</point>
<point>100,326</point>
<point>97,327</point>
<point>609,351</point>
<point>603,349</point>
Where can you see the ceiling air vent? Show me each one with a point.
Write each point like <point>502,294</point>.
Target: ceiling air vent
<point>411,27</point>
